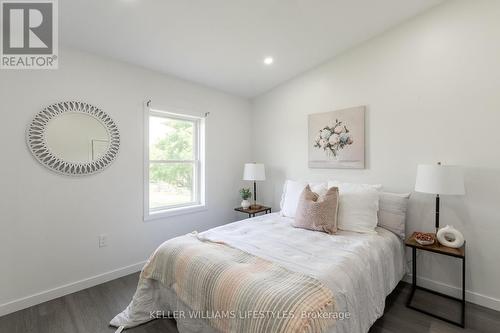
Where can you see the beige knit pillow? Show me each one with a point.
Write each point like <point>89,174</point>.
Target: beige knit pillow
<point>317,213</point>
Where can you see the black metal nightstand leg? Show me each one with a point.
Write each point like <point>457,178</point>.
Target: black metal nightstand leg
<point>413,275</point>
<point>414,287</point>
<point>463,291</point>
<point>414,263</point>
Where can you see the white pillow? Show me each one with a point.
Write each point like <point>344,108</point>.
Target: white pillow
<point>291,194</point>
<point>339,184</point>
<point>358,207</point>
<point>392,212</point>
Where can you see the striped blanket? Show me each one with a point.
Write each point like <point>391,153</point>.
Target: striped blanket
<point>238,292</point>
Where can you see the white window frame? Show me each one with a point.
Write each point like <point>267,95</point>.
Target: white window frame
<point>199,166</point>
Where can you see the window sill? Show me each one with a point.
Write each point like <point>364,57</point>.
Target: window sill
<point>174,212</point>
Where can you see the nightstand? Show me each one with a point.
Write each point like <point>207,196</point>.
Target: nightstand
<point>439,249</point>
<point>252,211</point>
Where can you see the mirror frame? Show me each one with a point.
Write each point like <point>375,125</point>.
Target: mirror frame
<point>37,143</point>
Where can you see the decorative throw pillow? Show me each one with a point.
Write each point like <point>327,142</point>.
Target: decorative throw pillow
<point>291,194</point>
<point>392,212</point>
<point>358,207</point>
<point>318,213</point>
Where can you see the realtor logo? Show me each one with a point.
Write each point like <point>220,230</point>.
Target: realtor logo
<point>29,34</point>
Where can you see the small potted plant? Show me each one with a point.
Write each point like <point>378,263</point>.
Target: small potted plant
<point>245,195</point>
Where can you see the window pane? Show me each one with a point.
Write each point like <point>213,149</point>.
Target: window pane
<point>170,139</point>
<point>170,184</point>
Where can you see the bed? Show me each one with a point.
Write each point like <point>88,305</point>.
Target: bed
<point>359,269</point>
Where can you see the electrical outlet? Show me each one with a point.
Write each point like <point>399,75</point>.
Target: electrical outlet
<point>103,240</point>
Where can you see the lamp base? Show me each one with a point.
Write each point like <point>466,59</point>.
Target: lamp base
<point>437,213</point>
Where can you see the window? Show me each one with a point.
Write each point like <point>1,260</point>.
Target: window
<point>174,165</point>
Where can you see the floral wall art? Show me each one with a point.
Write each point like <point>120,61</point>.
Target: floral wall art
<point>337,139</point>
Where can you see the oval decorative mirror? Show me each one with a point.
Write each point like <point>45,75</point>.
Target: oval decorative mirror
<point>74,138</point>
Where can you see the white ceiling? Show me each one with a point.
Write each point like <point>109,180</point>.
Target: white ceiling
<point>222,43</point>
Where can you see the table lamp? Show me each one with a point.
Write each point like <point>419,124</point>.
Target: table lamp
<point>440,180</point>
<point>254,172</point>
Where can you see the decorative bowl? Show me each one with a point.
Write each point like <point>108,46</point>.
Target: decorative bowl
<point>424,238</point>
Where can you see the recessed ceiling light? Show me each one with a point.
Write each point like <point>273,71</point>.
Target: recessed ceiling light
<point>268,60</point>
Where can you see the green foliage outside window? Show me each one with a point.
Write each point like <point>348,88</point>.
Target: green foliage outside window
<point>177,144</point>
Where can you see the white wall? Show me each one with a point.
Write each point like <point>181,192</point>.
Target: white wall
<point>49,224</point>
<point>432,91</point>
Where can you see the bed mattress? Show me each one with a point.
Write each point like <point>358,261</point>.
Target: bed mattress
<point>360,269</point>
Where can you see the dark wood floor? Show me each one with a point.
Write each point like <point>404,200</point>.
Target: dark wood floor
<point>90,310</point>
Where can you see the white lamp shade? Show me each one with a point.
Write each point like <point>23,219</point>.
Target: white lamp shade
<point>254,171</point>
<point>440,179</point>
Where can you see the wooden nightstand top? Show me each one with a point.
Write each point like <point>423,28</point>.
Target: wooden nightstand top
<point>436,247</point>
<point>253,210</point>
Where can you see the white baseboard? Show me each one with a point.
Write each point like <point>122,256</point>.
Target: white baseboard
<point>470,296</point>
<point>47,295</point>
<point>44,296</point>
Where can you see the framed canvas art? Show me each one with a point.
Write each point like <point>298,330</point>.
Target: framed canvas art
<point>337,139</point>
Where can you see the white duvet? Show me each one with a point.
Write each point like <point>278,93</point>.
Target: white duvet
<point>360,269</point>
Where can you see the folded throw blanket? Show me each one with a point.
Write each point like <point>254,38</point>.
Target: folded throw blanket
<point>238,292</point>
